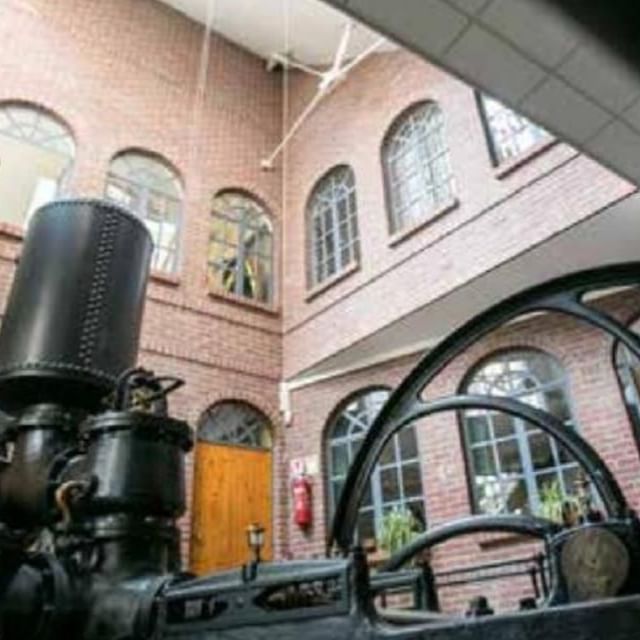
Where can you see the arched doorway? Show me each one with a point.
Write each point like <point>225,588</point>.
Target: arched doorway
<point>232,485</point>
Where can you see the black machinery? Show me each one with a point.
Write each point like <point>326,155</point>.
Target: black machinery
<point>91,476</point>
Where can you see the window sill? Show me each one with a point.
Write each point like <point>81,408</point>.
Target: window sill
<point>507,167</point>
<point>350,269</point>
<point>492,541</point>
<point>12,231</point>
<point>254,305</point>
<point>401,235</point>
<point>162,277</point>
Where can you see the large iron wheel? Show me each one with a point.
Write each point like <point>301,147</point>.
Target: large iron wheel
<point>406,405</point>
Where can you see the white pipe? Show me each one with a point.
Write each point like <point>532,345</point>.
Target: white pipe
<point>268,162</point>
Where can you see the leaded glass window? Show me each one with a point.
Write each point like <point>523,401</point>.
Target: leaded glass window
<point>417,166</point>
<point>628,371</point>
<point>332,218</point>
<point>241,247</point>
<point>151,189</point>
<point>514,464</point>
<point>36,159</point>
<point>235,423</point>
<point>396,481</point>
<point>509,133</point>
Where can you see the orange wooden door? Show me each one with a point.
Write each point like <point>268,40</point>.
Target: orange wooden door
<point>232,489</point>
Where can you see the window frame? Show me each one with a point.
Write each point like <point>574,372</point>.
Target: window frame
<point>145,192</point>
<point>353,243</point>
<point>206,417</point>
<point>240,255</point>
<point>396,227</point>
<point>491,144</point>
<point>521,435</point>
<point>378,505</point>
<point>634,420</point>
<point>65,132</point>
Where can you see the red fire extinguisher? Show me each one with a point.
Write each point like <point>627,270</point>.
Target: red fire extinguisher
<point>302,503</point>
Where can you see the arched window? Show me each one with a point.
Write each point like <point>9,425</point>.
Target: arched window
<point>416,164</point>
<point>515,466</point>
<point>241,247</point>
<point>333,225</point>
<point>396,481</point>
<point>628,372</point>
<point>150,188</point>
<point>36,157</point>
<point>508,133</point>
<point>237,423</point>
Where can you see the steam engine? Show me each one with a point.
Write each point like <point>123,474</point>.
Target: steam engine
<point>92,478</point>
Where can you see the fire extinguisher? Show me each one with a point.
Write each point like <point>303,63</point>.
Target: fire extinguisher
<point>302,503</point>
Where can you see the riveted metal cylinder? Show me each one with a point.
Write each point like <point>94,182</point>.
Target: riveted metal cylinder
<point>73,317</point>
<point>138,462</point>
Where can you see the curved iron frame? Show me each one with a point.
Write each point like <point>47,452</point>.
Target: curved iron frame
<point>524,525</point>
<point>563,295</point>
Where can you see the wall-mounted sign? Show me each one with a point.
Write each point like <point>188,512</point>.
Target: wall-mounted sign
<point>307,465</point>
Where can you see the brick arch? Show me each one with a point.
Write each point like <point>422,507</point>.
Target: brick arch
<point>269,411</point>
<point>152,155</point>
<point>504,350</point>
<point>43,107</point>
<point>254,192</point>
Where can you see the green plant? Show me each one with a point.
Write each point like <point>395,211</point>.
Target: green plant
<point>399,527</point>
<point>555,505</point>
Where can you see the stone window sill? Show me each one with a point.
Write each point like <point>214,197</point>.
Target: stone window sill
<point>162,277</point>
<point>13,231</point>
<point>400,236</point>
<point>507,167</point>
<point>255,305</point>
<point>315,291</point>
<point>492,541</point>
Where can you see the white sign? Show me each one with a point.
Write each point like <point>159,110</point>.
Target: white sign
<point>308,465</point>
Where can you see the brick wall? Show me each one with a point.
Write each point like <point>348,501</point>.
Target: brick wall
<point>128,73</point>
<point>498,216</point>
<point>586,356</point>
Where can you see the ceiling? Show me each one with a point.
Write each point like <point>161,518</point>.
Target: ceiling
<point>309,30</point>
<point>536,59</point>
<point>609,237</point>
<point>528,53</point>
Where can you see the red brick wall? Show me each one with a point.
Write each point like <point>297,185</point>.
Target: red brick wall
<point>586,356</point>
<point>126,73</point>
<point>498,216</point>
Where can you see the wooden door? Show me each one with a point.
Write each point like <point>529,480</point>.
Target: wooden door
<point>232,489</point>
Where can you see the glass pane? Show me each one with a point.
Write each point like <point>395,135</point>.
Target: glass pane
<point>341,426</point>
<point>488,492</point>
<point>503,425</point>
<point>556,402</point>
<point>477,427</point>
<point>367,499</point>
<point>509,456</point>
<point>547,485</point>
<point>339,459</point>
<point>517,497</point>
<point>337,486</point>
<point>235,423</point>
<point>563,455</point>
<point>541,453</point>
<point>412,482</point>
<point>573,479</point>
<point>389,485</point>
<point>388,455</point>
<point>408,443</point>
<point>366,526</point>
<point>417,509</point>
<point>483,461</point>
